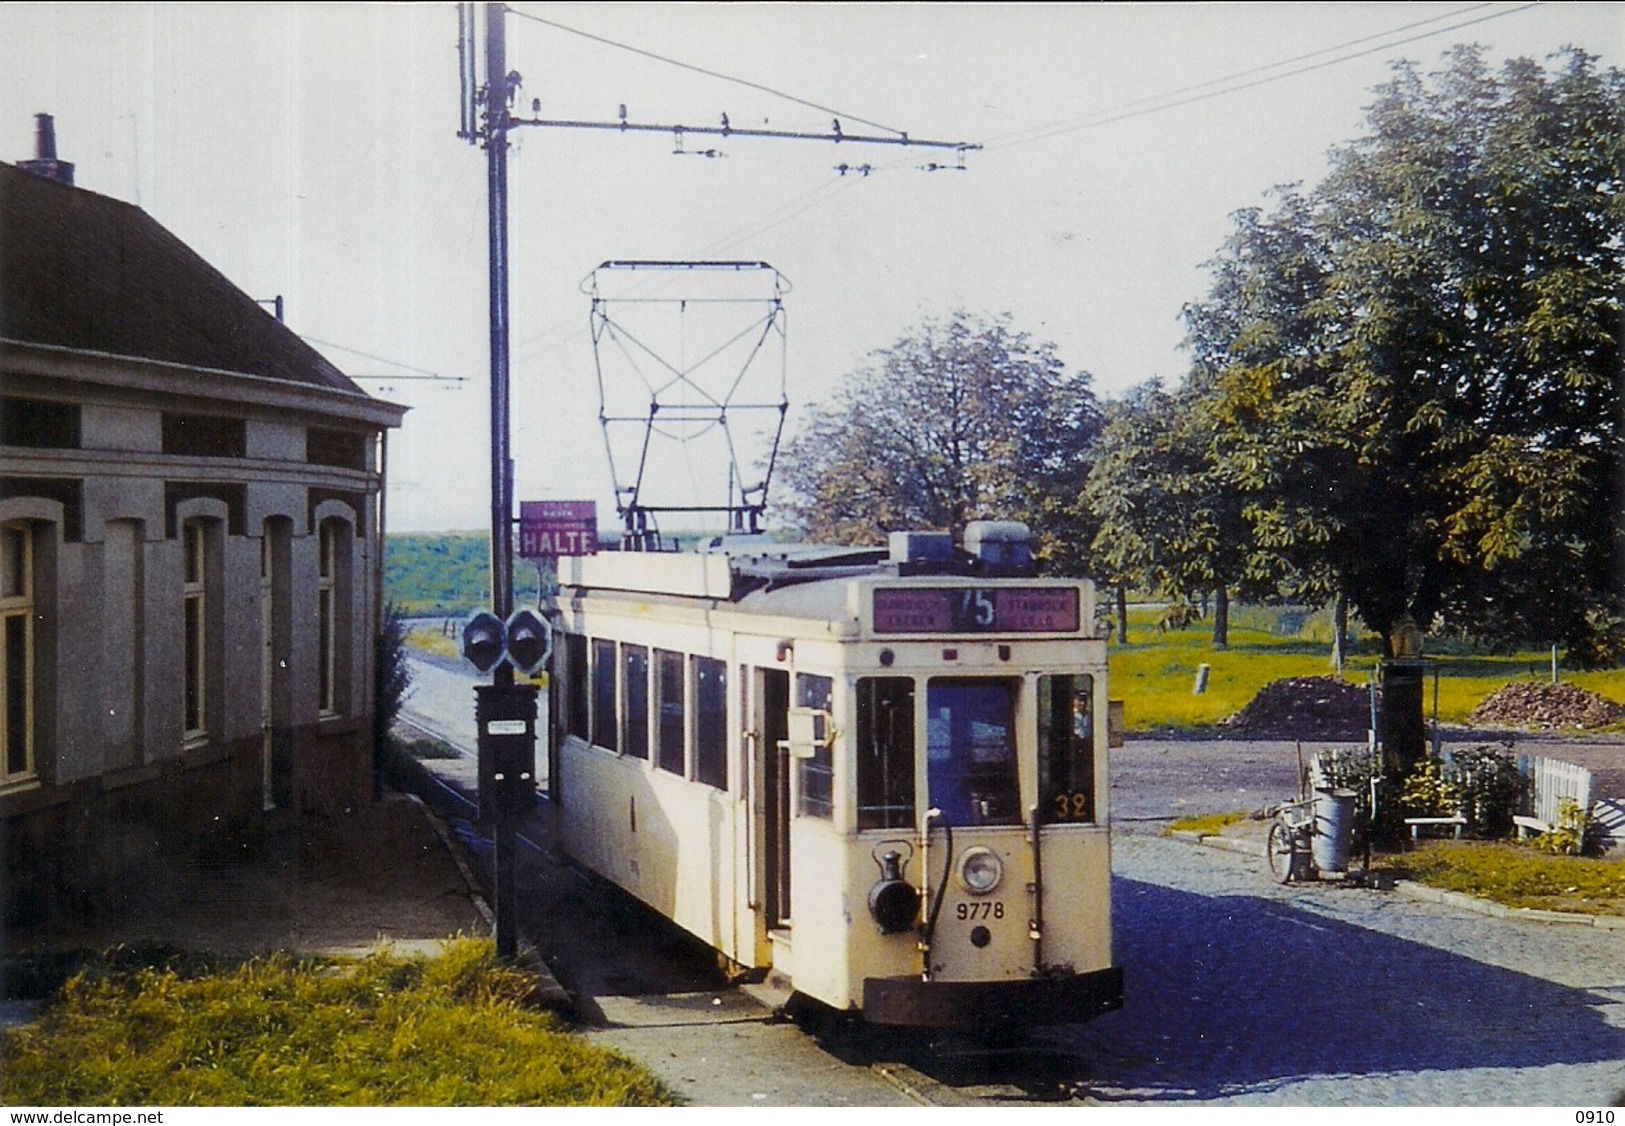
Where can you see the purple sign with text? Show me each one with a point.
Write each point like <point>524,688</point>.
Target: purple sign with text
<point>551,528</point>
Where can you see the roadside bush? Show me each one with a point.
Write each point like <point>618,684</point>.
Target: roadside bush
<point>1492,790</point>
<point>1429,791</point>
<point>1352,769</point>
<point>394,674</point>
<point>1575,835</point>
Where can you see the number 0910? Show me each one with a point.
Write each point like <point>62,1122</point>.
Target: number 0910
<point>1594,1117</point>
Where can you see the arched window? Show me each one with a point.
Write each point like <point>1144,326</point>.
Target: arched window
<point>195,576</point>
<point>332,616</point>
<point>17,614</point>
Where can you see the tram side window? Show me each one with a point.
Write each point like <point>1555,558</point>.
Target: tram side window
<point>575,685</point>
<point>603,694</point>
<point>635,696</point>
<point>884,746</point>
<point>970,752</point>
<point>669,701</point>
<point>710,722</point>
<point>1066,748</point>
<point>816,774</point>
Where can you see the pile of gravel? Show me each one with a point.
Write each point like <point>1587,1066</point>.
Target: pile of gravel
<point>1306,707</point>
<point>1545,706</point>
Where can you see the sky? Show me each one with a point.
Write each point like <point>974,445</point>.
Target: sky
<point>310,151</point>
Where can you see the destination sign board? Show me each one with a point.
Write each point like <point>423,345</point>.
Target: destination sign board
<point>976,609</point>
<point>551,528</point>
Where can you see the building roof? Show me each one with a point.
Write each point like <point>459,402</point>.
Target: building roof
<point>85,271</point>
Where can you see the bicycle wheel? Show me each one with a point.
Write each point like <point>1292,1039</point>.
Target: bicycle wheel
<point>1279,847</point>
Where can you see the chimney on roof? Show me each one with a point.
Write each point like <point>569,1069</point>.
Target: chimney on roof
<point>45,162</point>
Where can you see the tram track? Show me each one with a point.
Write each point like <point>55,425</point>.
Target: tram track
<point>927,1070</point>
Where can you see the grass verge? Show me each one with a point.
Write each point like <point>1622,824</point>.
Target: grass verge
<point>433,642</point>
<point>1509,874</point>
<point>1517,876</point>
<point>383,1030</point>
<point>425,749</point>
<point>1208,824</point>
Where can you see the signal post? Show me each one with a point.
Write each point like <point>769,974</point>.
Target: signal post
<point>505,715</point>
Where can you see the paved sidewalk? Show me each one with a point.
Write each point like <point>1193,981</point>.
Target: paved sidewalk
<point>329,885</point>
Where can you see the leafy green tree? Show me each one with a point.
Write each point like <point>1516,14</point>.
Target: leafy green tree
<point>1416,366</point>
<point>1168,521</point>
<point>963,418</point>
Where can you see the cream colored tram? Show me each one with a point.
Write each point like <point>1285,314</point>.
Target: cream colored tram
<point>880,776</point>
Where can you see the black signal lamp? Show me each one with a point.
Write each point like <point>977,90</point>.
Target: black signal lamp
<point>530,641</point>
<point>483,640</point>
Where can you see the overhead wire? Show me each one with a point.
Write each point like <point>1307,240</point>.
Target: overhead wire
<point>567,329</point>
<point>1126,110</point>
<point>1171,100</point>
<point>564,330</point>
<point>1198,92</point>
<point>383,360</point>
<point>703,70</point>
<point>1006,139</point>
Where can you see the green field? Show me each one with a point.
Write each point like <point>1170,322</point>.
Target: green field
<point>1154,674</point>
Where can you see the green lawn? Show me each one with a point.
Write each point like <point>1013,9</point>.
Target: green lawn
<point>1154,673</point>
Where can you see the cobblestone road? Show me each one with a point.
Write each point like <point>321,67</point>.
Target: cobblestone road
<point>1244,991</point>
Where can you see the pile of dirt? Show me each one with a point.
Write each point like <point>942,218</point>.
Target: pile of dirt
<point>1545,706</point>
<point>1306,707</point>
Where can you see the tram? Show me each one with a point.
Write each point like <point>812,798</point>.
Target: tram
<point>878,775</point>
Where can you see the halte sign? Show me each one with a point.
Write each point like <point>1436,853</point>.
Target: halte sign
<point>551,528</point>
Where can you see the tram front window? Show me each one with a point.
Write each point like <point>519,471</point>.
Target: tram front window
<point>884,744</point>
<point>971,751</point>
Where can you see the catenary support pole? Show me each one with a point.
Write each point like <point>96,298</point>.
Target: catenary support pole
<point>496,155</point>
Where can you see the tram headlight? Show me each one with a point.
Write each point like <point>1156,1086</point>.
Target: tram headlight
<point>980,870</point>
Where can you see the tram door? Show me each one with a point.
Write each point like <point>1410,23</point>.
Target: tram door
<point>773,721</point>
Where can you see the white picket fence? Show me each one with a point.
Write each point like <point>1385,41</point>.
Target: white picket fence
<point>1553,782</point>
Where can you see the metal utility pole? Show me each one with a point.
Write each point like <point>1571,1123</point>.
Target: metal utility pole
<point>498,91</point>
<point>505,712</point>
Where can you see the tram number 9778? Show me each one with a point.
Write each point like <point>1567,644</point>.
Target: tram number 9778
<point>983,910</point>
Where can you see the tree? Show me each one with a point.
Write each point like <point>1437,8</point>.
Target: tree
<point>1416,366</point>
<point>963,418</point>
<point>1168,521</point>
